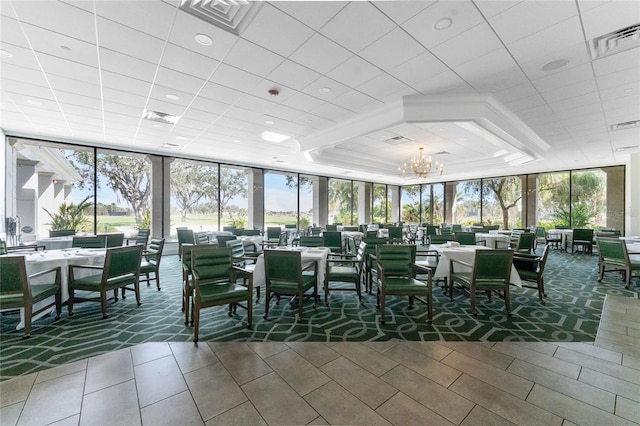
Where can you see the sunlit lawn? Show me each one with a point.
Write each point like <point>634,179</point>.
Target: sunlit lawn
<point>193,220</point>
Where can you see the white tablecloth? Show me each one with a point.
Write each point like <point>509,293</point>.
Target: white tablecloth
<point>565,235</point>
<point>492,239</point>
<point>43,260</point>
<point>308,256</point>
<point>55,243</point>
<point>462,253</point>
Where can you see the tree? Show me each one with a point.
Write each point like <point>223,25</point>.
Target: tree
<point>233,183</point>
<point>507,192</point>
<point>127,176</point>
<point>190,183</point>
<point>340,200</point>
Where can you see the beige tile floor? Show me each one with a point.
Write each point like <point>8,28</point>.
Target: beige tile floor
<point>400,383</point>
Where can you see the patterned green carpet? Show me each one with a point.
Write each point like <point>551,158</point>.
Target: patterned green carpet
<point>572,313</point>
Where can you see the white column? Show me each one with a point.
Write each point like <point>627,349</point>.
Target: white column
<point>632,225</point>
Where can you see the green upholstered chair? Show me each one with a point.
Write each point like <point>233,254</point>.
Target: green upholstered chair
<point>582,237</point>
<point>553,239</point>
<point>530,267</point>
<point>201,238</point>
<point>4,249</point>
<point>17,292</point>
<point>369,261</point>
<point>92,241</point>
<point>311,241</point>
<point>244,262</point>
<point>456,228</point>
<point>114,240</point>
<point>465,238</point>
<point>251,232</point>
<point>332,240</point>
<point>62,233</point>
<point>151,258</point>
<point>187,280</point>
<point>141,238</point>
<point>214,284</point>
<point>350,228</point>
<point>396,276</point>
<point>185,236</point>
<point>121,270</point>
<point>395,235</point>
<point>345,270</point>
<point>523,243</point>
<point>284,276</point>
<point>441,238</point>
<point>614,257</point>
<point>223,239</point>
<point>332,228</point>
<point>490,271</point>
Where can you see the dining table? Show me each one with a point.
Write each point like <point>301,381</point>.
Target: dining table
<point>308,255</point>
<point>56,243</point>
<point>491,240</point>
<point>39,261</point>
<point>449,251</point>
<point>565,236</point>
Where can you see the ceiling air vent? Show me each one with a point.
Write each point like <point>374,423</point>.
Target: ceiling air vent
<point>442,153</point>
<point>233,16</point>
<point>168,145</point>
<point>625,125</point>
<point>160,117</point>
<point>397,140</point>
<point>627,148</point>
<point>615,42</point>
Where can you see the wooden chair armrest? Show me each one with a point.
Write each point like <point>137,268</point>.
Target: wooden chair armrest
<point>57,270</point>
<point>452,261</point>
<point>86,266</point>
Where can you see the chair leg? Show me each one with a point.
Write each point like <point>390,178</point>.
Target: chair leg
<point>58,305</point>
<point>136,286</point>
<point>249,313</point>
<point>267,301</point>
<point>257,294</point>
<point>300,302</point>
<point>472,292</point>
<point>382,305</point>
<point>429,307</point>
<point>196,322</point>
<point>157,278</point>
<point>28,313</point>
<point>70,302</point>
<point>326,291</point>
<point>186,301</point>
<point>103,302</point>
<point>507,300</point>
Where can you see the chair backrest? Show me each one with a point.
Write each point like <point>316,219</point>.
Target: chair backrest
<point>582,234</point>
<point>229,228</point>
<point>395,232</point>
<point>315,230</point>
<point>201,237</point>
<point>185,254</point>
<point>143,236</point>
<point>282,266</point>
<point>361,254</point>
<point>456,228</point>
<point>543,259</point>
<point>93,241</point>
<point>185,236</point>
<point>222,239</point>
<point>251,232</point>
<point>492,227</point>
<point>238,232</point>
<point>332,239</point>
<point>122,261</point>
<point>396,259</point>
<point>525,242</point>
<point>441,238</point>
<point>493,265</point>
<point>563,227</point>
<point>290,226</point>
<point>114,240</point>
<point>273,232</point>
<point>237,250</point>
<point>210,263</point>
<point>372,243</point>
<point>350,228</point>
<point>311,241</point>
<point>332,228</point>
<point>540,232</point>
<point>156,245</point>
<point>350,246</point>
<point>372,234</point>
<point>613,250</point>
<point>465,238</point>
<point>3,247</point>
<point>62,233</point>
<point>431,229</point>
<point>282,239</point>
<point>14,279</point>
<point>607,234</point>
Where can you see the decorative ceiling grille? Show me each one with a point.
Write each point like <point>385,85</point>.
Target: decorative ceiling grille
<point>233,16</point>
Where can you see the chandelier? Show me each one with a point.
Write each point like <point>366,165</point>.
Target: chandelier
<point>421,166</point>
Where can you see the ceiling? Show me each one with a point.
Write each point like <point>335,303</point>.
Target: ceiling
<point>486,87</point>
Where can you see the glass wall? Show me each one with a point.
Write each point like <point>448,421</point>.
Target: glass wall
<point>466,205</point>
<point>437,206</point>
<point>379,203</point>
<point>232,197</point>
<point>588,199</point>
<point>553,200</point>
<point>306,201</point>
<point>502,202</point>
<point>280,199</point>
<point>194,191</point>
<point>410,197</point>
<point>340,201</point>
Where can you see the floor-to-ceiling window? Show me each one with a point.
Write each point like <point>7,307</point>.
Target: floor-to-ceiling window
<point>502,202</point>
<point>466,204</point>
<point>553,200</point>
<point>194,187</point>
<point>306,201</point>
<point>232,197</point>
<point>437,203</point>
<point>280,199</point>
<point>410,198</point>
<point>588,198</point>
<point>340,201</point>
<point>379,203</point>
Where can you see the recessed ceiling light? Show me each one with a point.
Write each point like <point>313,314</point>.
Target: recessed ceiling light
<point>6,54</point>
<point>325,90</point>
<point>35,103</point>
<point>173,97</point>
<point>53,129</point>
<point>203,39</point>
<point>442,24</point>
<point>182,138</point>
<point>554,65</point>
<point>309,121</point>
<point>628,91</point>
<point>159,126</point>
<point>236,140</point>
<point>269,122</point>
<point>65,48</point>
<point>273,137</point>
<point>162,117</point>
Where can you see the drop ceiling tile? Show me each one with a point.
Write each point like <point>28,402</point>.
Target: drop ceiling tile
<point>235,78</point>
<point>443,83</point>
<point>160,93</point>
<point>570,91</point>
<point>291,33</point>
<point>465,47</point>
<point>332,112</point>
<point>253,58</point>
<point>26,89</point>
<point>155,20</point>
<point>357,25</point>
<point>384,52</point>
<point>293,75</point>
<point>25,75</point>
<point>285,113</point>
<point>124,98</point>
<point>187,26</point>
<point>65,84</point>
<point>314,89</point>
<point>354,72</point>
<point>463,15</point>
<point>615,79</point>
<point>122,108</point>
<point>564,77</point>
<point>355,101</point>
<point>623,91</point>
<point>420,68</point>
<point>129,41</point>
<point>385,88</point>
<point>262,91</point>
<point>124,83</point>
<point>70,20</point>
<point>80,100</point>
<point>79,113</point>
<point>527,103</point>
<point>220,93</point>
<point>238,115</point>
<point>202,107</point>
<point>619,15</point>
<point>161,106</point>
<point>303,102</point>
<point>320,54</point>
<point>254,103</point>
<point>63,67</point>
<point>626,60</point>
<point>188,62</point>
<point>199,115</point>
<point>490,66</point>
<point>11,33</point>
<point>183,82</point>
<point>314,13</point>
<point>401,11</point>
<point>126,65</point>
<point>531,17</point>
<point>491,8</point>
<point>59,45</point>
<point>19,57</point>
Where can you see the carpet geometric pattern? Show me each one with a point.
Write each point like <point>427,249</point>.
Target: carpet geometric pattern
<point>572,313</point>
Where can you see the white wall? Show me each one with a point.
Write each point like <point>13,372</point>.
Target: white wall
<point>632,226</point>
